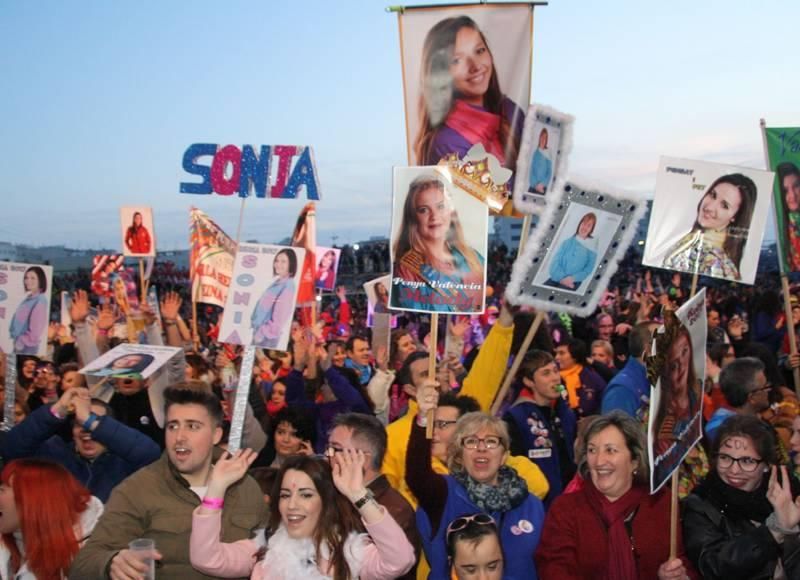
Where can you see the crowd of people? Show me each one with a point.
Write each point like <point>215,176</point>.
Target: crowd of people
<point>358,461</point>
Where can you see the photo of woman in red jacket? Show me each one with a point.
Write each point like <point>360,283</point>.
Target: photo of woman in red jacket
<point>138,241</point>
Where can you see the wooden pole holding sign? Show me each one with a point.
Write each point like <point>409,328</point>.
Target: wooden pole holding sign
<point>501,394</point>
<point>673,514</point>
<point>142,286</point>
<point>787,305</point>
<point>434,339</point>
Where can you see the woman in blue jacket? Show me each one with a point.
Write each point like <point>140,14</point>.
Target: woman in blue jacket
<point>575,259</point>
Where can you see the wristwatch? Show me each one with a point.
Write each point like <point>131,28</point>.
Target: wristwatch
<point>367,497</point>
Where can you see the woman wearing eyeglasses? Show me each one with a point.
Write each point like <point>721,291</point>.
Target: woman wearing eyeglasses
<point>742,521</point>
<point>473,548</point>
<point>478,482</point>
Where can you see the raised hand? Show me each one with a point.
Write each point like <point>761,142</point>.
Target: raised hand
<point>348,473</point>
<point>382,358</point>
<point>106,317</point>
<point>459,327</point>
<point>170,306</point>
<point>428,397</point>
<point>79,308</point>
<point>228,470</point>
<point>787,510</point>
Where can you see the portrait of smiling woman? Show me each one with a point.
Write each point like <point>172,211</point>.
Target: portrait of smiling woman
<point>715,244</point>
<point>461,102</point>
<point>435,269</point>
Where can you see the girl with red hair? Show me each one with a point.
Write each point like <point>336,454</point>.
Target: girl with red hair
<point>45,517</point>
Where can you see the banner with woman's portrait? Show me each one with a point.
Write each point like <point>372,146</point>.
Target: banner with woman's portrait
<point>327,268</point>
<point>573,252</point>
<point>132,361</point>
<point>466,79</point>
<point>783,154</point>
<point>708,219</point>
<point>138,235</point>
<point>677,368</point>
<point>546,144</point>
<point>262,296</point>
<point>438,247</point>
<point>24,307</point>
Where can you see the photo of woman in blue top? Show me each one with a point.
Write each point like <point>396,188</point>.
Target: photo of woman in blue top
<point>541,166</point>
<point>31,317</point>
<point>575,259</point>
<point>273,311</point>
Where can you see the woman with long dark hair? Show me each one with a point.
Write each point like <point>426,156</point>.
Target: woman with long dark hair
<point>742,521</point>
<point>318,513</point>
<point>715,244</point>
<point>461,102</point>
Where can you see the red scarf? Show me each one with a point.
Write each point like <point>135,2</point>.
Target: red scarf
<point>273,408</point>
<point>621,564</point>
<point>477,125</point>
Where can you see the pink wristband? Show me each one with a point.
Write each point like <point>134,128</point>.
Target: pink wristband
<point>54,413</point>
<point>102,332</point>
<point>214,503</point>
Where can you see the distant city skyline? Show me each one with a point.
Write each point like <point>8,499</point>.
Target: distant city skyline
<point>102,100</point>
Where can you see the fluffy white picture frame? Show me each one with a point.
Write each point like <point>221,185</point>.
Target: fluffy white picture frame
<point>625,209</point>
<point>538,117</point>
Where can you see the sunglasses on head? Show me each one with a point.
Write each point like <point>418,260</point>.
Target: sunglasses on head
<point>461,523</point>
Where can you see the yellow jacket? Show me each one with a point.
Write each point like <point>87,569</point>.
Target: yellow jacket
<point>482,383</point>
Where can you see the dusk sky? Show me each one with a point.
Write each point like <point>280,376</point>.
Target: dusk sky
<point>100,100</point>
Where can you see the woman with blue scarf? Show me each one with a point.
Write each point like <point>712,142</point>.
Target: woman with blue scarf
<point>30,318</point>
<point>274,309</point>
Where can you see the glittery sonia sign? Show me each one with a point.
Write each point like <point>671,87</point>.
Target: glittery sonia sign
<point>275,171</point>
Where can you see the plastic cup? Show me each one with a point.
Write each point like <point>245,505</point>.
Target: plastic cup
<point>143,549</point>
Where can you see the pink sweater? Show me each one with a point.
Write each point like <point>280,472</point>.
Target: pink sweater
<point>387,553</point>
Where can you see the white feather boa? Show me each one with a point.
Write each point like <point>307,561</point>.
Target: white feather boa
<point>288,558</point>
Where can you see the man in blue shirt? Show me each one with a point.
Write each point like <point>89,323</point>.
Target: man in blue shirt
<point>629,390</point>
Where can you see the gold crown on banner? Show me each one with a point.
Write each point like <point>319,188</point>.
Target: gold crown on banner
<point>481,175</point>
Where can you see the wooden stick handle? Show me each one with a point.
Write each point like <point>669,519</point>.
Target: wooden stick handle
<point>434,339</point>
<point>673,518</point>
<point>501,394</point>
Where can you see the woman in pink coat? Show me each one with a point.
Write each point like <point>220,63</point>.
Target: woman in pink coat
<point>317,525</point>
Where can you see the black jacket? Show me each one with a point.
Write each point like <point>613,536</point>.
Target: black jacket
<point>721,546</point>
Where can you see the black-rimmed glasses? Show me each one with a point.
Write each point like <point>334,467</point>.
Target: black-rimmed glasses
<point>748,464</point>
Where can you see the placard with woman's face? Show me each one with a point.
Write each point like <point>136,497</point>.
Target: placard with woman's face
<point>262,296</point>
<point>783,151</point>
<point>137,361</point>
<point>327,268</point>
<point>466,79</point>
<point>546,144</point>
<point>708,218</point>
<point>138,234</point>
<point>676,402</point>
<point>25,289</point>
<point>439,237</point>
<point>377,292</point>
<point>567,262</point>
